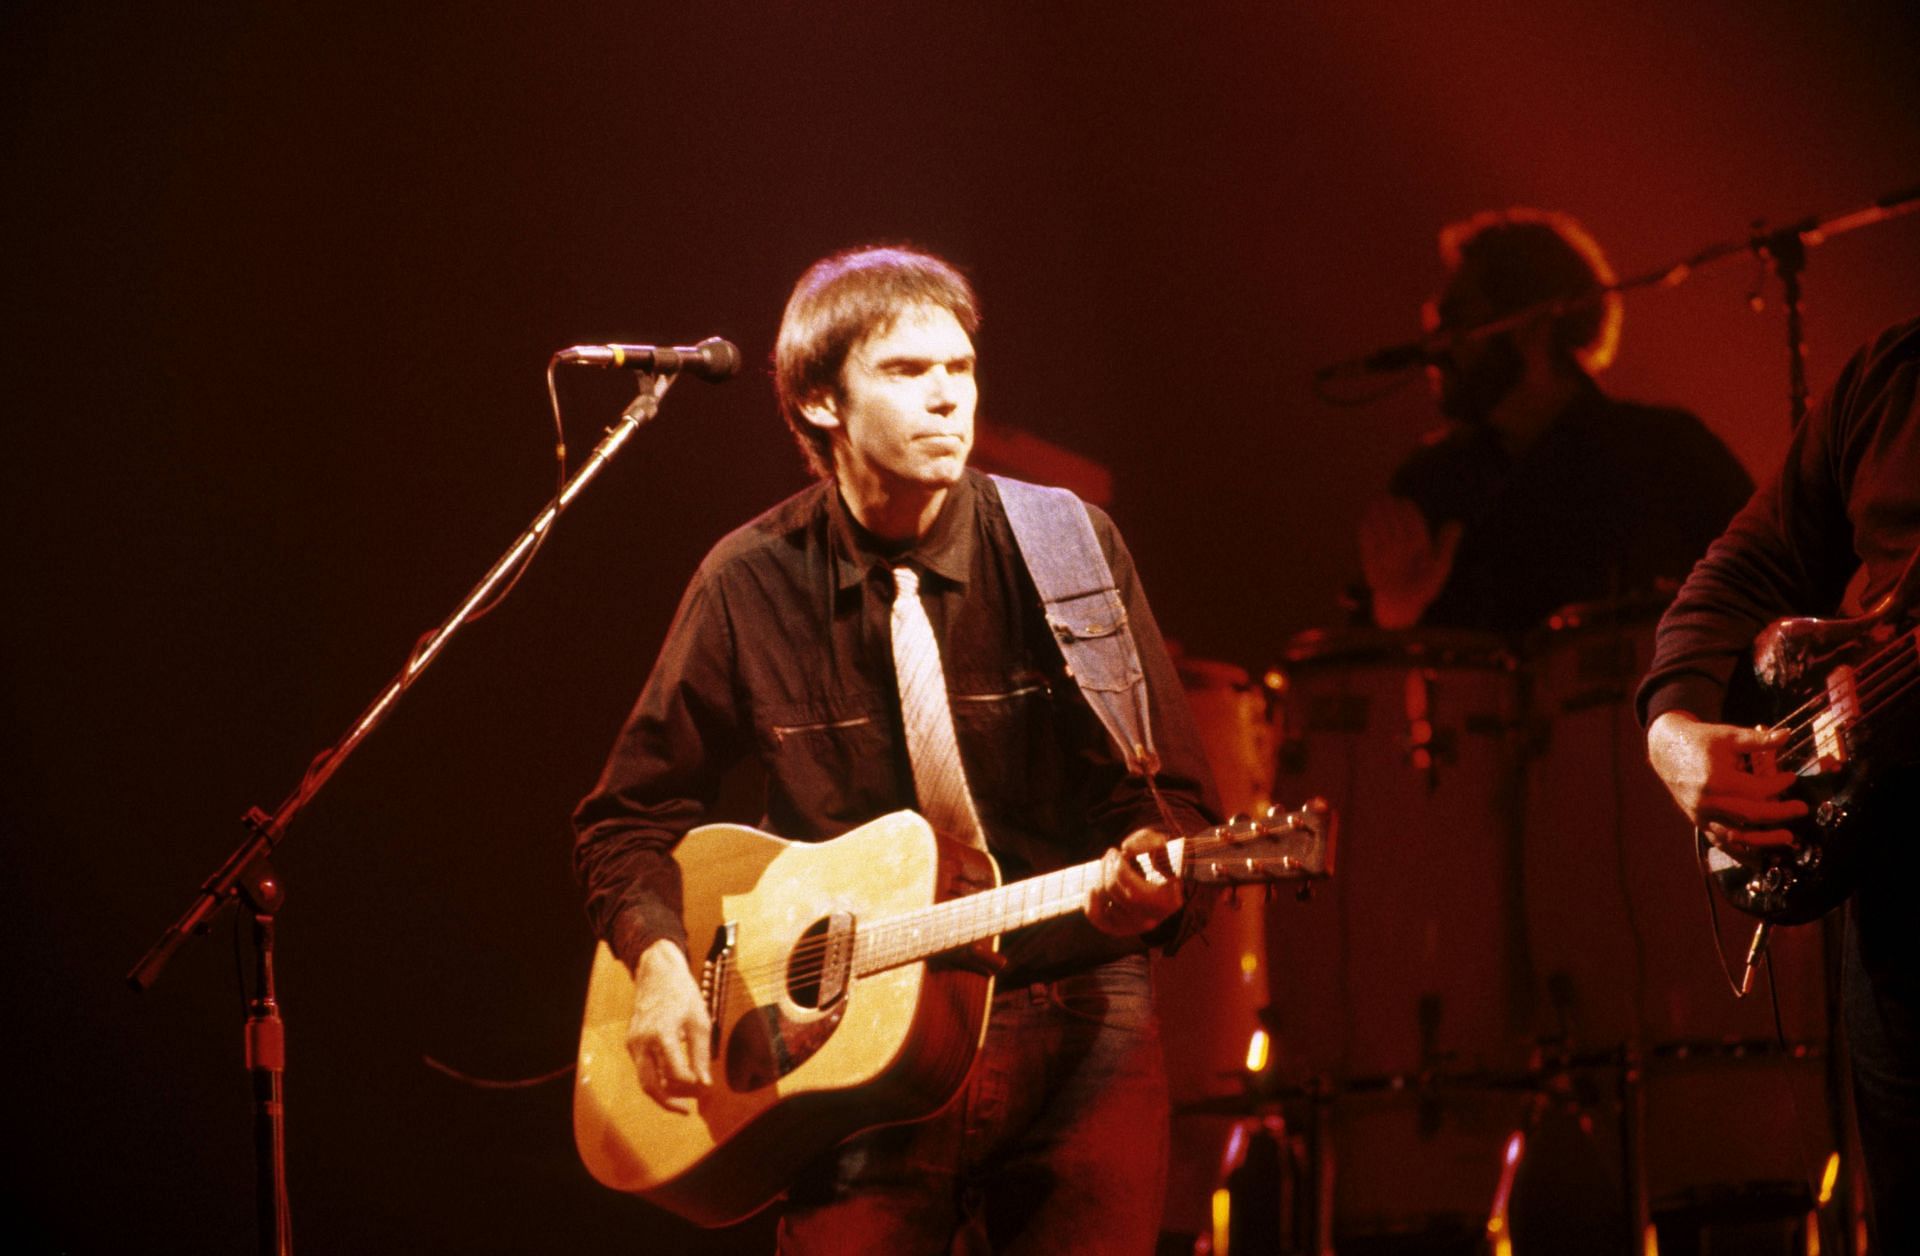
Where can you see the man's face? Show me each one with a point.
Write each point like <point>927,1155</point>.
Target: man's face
<point>1475,375</point>
<point>905,411</point>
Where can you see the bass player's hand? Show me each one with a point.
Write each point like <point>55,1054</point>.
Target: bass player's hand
<point>1724,779</point>
<point>669,1033</point>
<point>1127,900</point>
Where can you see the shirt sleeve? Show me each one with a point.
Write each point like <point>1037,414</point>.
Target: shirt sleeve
<point>660,780</point>
<point>1788,551</point>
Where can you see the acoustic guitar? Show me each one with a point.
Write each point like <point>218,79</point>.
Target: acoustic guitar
<point>846,991</point>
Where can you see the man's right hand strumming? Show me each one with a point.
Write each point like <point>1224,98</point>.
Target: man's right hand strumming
<point>670,1033</point>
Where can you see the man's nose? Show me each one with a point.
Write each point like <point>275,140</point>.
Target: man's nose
<point>940,398</point>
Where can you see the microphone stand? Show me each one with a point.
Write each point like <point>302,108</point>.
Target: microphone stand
<point>247,874</point>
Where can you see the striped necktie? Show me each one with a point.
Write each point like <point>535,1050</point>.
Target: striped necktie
<point>939,778</point>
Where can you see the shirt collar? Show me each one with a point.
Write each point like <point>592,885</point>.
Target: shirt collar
<point>946,550</point>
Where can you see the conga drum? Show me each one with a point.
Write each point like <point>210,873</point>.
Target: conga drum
<point>1620,934</point>
<point>1402,962</point>
<point>1394,983</point>
<point>1209,994</point>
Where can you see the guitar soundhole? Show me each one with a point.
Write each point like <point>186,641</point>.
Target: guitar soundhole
<point>806,965</point>
<point>767,1044</point>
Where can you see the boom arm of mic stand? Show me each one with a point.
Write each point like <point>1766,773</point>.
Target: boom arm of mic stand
<point>264,831</point>
<point>1786,248</point>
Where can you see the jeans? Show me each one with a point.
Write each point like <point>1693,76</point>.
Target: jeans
<point>1056,1143</point>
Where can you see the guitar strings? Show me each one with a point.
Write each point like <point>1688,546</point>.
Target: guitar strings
<point>1886,689</point>
<point>1872,696</point>
<point>1058,896</point>
<point>1893,665</point>
<point>954,915</point>
<point>1819,700</point>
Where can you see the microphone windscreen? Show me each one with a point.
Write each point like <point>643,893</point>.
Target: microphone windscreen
<point>719,359</point>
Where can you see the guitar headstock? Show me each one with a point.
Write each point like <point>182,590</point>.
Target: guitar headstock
<point>1277,845</point>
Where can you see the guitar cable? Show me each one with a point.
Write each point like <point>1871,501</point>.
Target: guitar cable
<point>1758,953</point>
<point>496,1083</point>
<point>1741,987</point>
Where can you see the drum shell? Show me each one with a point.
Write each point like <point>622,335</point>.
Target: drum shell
<point>1404,960</point>
<point>1210,992</point>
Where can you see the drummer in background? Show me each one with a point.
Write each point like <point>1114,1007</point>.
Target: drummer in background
<point>1540,490</point>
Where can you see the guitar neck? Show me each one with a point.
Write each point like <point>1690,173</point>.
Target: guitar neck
<point>959,922</point>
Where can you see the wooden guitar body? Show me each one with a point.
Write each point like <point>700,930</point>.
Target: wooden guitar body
<point>797,1067</point>
<point>846,991</point>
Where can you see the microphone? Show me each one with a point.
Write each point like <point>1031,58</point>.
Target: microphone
<point>1384,361</point>
<point>713,358</point>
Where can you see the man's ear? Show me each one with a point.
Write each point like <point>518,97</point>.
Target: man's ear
<point>822,411</point>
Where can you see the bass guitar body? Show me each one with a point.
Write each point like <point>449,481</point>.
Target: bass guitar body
<point>1845,692</point>
<point>802,1057</point>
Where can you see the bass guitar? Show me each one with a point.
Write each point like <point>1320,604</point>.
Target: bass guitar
<point>1847,694</point>
<point>846,991</point>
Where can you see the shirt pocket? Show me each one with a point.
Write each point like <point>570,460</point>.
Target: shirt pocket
<point>1008,739</point>
<point>830,765</point>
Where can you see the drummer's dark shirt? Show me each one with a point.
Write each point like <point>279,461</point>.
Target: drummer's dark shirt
<point>781,652</point>
<point>1612,498</point>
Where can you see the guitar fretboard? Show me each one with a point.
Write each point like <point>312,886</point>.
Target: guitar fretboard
<point>971,918</point>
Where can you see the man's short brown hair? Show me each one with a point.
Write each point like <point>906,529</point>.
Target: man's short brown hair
<point>839,302</point>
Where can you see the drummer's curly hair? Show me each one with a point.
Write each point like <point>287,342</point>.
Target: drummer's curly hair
<point>1524,256</point>
<point>839,302</point>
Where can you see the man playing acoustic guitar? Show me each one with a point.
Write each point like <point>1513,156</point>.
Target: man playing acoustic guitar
<point>784,649</point>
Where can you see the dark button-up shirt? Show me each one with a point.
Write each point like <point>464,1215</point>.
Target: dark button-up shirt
<point>781,651</point>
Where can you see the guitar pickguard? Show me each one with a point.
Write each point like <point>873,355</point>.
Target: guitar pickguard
<point>766,1044</point>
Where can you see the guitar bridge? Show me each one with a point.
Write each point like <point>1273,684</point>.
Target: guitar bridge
<point>716,975</point>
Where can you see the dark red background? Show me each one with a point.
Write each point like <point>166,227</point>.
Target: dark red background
<point>282,280</point>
